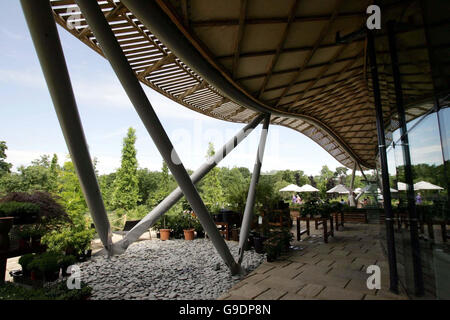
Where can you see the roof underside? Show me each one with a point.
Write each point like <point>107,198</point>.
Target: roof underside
<point>282,54</point>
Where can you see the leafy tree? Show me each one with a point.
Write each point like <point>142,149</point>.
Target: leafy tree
<point>70,190</point>
<point>165,187</point>
<point>5,167</point>
<point>126,184</point>
<point>106,183</point>
<point>212,193</point>
<point>148,182</point>
<point>341,174</point>
<point>53,173</point>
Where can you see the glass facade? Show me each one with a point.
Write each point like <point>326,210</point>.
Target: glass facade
<point>419,163</point>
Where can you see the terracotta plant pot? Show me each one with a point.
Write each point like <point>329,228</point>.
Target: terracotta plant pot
<point>5,226</point>
<point>164,234</point>
<point>188,234</point>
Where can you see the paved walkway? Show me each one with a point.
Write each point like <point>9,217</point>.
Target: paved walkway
<point>315,270</point>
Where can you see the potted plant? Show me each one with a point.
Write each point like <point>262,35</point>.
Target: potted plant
<point>46,265</point>
<point>164,234</point>
<point>25,261</point>
<point>189,231</point>
<point>36,232</point>
<point>258,243</point>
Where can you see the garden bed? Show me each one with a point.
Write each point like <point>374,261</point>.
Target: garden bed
<point>172,269</point>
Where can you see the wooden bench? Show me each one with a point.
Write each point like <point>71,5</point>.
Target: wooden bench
<point>302,232</point>
<point>356,216</point>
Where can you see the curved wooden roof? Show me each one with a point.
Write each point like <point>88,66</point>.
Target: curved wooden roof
<point>282,54</point>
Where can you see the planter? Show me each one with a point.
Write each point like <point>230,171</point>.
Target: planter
<point>17,276</point>
<point>5,226</point>
<point>258,244</point>
<point>188,234</point>
<point>164,234</point>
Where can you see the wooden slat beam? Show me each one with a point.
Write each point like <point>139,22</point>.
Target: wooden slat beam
<point>117,11</point>
<point>274,20</point>
<point>280,46</point>
<point>218,104</point>
<point>157,65</point>
<point>321,72</point>
<point>239,36</point>
<point>190,91</point>
<point>323,34</point>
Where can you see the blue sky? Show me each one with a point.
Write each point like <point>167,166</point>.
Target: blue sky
<point>29,125</point>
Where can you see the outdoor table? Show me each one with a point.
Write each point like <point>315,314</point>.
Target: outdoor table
<point>301,232</point>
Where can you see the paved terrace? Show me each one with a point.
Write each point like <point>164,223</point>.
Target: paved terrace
<point>316,270</point>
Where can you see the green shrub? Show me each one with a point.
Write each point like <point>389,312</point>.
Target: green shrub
<point>25,261</point>
<point>69,239</point>
<point>18,209</point>
<point>45,262</point>
<point>49,207</point>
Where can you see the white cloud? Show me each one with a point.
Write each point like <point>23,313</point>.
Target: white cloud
<point>24,157</point>
<point>26,77</point>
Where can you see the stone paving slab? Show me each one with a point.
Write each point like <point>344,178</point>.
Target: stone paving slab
<point>315,270</point>
<point>249,290</point>
<point>271,294</point>
<point>310,290</point>
<point>333,293</point>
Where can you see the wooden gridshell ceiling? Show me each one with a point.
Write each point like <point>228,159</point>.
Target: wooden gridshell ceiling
<point>281,53</point>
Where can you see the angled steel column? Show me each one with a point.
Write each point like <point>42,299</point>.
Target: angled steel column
<point>414,231</point>
<point>384,165</point>
<point>39,17</point>
<point>248,212</point>
<point>176,195</point>
<point>351,198</point>
<point>111,48</point>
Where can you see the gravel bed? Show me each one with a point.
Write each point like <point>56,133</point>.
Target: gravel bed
<point>173,269</point>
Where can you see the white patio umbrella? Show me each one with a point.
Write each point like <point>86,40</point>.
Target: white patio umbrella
<point>357,190</point>
<point>291,188</point>
<point>340,188</point>
<point>423,185</point>
<point>401,186</point>
<point>308,188</point>
<point>392,190</point>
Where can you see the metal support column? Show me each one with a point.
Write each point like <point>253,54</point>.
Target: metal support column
<point>44,34</point>
<point>248,212</point>
<point>351,198</point>
<point>384,165</point>
<point>176,195</point>
<point>111,48</point>
<point>414,232</point>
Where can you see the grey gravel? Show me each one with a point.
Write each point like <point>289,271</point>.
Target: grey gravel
<point>173,269</point>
